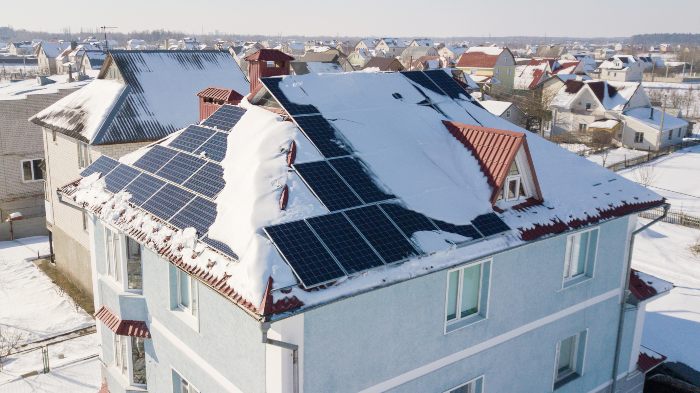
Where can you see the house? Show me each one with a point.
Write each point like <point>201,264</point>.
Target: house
<point>359,58</point>
<point>505,110</point>
<point>240,52</point>
<point>422,42</point>
<point>71,59</point>
<point>650,128</point>
<point>18,67</point>
<point>283,276</point>
<point>22,154</point>
<point>426,63</point>
<point>47,53</point>
<point>92,60</point>
<point>384,64</point>
<point>21,48</point>
<point>138,97</point>
<point>450,54</point>
<point>588,62</point>
<point>413,53</point>
<point>554,50</point>
<point>390,47</point>
<point>621,68</point>
<point>490,62</point>
<point>366,44</point>
<point>322,61</point>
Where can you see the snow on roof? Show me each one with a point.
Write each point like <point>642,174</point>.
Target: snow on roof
<point>529,75</point>
<point>608,123</point>
<point>53,49</point>
<point>489,50</point>
<point>645,286</point>
<point>611,95</point>
<point>159,96</point>
<point>652,118</point>
<point>51,85</point>
<point>496,107</point>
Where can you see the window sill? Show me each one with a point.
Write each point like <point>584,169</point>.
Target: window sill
<point>558,384</point>
<point>464,322</point>
<point>575,281</point>
<point>186,317</point>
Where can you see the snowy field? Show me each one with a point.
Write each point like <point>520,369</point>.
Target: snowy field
<point>613,156</point>
<point>80,377</point>
<point>676,177</point>
<point>672,325</point>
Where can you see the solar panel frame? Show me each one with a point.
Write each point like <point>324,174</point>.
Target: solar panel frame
<point>420,78</point>
<point>143,187</point>
<point>358,178</point>
<point>343,240</point>
<point>120,177</point>
<point>102,164</point>
<point>327,185</point>
<point>215,147</point>
<point>208,180</point>
<point>220,246</point>
<point>304,252</point>
<point>167,201</point>
<point>155,158</point>
<point>446,83</point>
<point>322,135</point>
<point>224,118</point>
<point>408,221</point>
<point>191,138</point>
<point>490,224</point>
<point>381,233</point>
<point>199,213</point>
<point>465,230</point>
<point>180,168</point>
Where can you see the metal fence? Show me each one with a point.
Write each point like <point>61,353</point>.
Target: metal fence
<point>673,217</point>
<point>651,155</point>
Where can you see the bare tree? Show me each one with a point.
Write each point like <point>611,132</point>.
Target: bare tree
<point>645,175</point>
<point>9,341</point>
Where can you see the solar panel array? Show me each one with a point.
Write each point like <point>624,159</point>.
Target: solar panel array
<point>178,182</point>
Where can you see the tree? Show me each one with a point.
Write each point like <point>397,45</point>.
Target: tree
<point>9,342</point>
<point>645,175</point>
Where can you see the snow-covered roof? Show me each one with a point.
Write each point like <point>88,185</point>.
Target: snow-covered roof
<point>50,85</point>
<point>489,50</point>
<point>156,96</point>
<point>645,286</point>
<point>611,95</point>
<point>652,117</point>
<point>53,49</point>
<point>496,107</point>
<point>404,131</point>
<point>607,124</point>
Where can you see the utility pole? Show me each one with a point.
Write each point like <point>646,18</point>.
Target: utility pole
<point>104,30</point>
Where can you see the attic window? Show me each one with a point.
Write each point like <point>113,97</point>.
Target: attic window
<point>513,188</point>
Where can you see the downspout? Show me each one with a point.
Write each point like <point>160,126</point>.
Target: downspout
<point>626,293</point>
<point>264,327</point>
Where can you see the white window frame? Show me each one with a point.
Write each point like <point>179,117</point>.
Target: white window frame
<point>472,382</point>
<point>114,256</point>
<point>481,313</point>
<point>125,349</point>
<point>638,137</point>
<point>512,178</point>
<point>31,166</point>
<point>582,126</point>
<point>190,387</point>
<point>570,258</point>
<point>577,368</point>
<point>84,155</point>
<point>126,263</point>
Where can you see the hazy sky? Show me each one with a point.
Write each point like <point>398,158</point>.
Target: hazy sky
<point>433,18</point>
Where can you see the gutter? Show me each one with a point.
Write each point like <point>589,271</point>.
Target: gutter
<point>264,327</point>
<point>626,293</point>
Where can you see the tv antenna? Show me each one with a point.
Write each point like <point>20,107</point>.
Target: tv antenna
<point>104,31</point>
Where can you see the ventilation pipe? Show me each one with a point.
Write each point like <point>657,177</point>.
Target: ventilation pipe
<point>285,345</point>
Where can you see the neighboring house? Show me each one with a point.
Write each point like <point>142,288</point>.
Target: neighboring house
<point>333,56</point>
<point>71,59</point>
<point>490,62</point>
<point>413,53</point>
<point>651,129</point>
<point>46,56</point>
<point>390,47</point>
<point>537,71</point>
<point>366,44</point>
<point>359,58</point>
<point>138,97</point>
<point>422,42</point>
<point>588,62</point>
<point>384,64</point>
<point>426,63</point>
<point>554,51</point>
<point>21,48</point>
<point>18,67</point>
<point>505,110</point>
<point>92,60</point>
<point>22,166</point>
<point>294,274</point>
<point>450,54</point>
<point>621,68</point>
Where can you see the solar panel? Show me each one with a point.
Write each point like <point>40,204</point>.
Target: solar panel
<point>224,118</point>
<point>167,201</point>
<point>208,181</point>
<point>490,224</point>
<point>215,147</point>
<point>155,158</point>
<point>305,253</point>
<point>119,177</point>
<point>191,138</point>
<point>446,83</point>
<point>359,179</point>
<point>180,168</point>
<point>465,230</point>
<point>322,134</point>
<point>199,214</point>
<point>391,245</point>
<point>407,220</point>
<point>327,185</point>
<point>423,80</point>
<point>222,247</point>
<point>272,85</point>
<point>143,187</point>
<point>345,243</point>
<point>102,164</point>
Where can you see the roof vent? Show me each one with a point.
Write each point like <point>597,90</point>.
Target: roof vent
<point>397,96</point>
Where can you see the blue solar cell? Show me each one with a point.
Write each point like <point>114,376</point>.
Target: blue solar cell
<point>391,245</point>
<point>103,164</point>
<point>215,147</point>
<point>407,220</point>
<point>327,185</point>
<point>199,214</point>
<point>143,187</point>
<point>191,138</point>
<point>322,134</point>
<point>208,181</point>
<point>155,158</point>
<point>345,243</point>
<point>180,168</point>
<point>359,179</point>
<point>119,177</point>
<point>423,80</point>
<point>447,84</point>
<point>222,247</point>
<point>490,224</point>
<point>167,201</point>
<point>465,230</point>
<point>304,253</point>
<point>272,85</point>
<point>224,118</point>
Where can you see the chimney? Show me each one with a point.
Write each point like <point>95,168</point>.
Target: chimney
<point>265,63</point>
<point>73,45</point>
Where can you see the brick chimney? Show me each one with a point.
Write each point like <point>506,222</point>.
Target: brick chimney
<point>212,98</point>
<point>265,63</point>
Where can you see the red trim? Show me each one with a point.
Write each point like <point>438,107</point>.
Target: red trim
<point>645,362</point>
<point>122,327</point>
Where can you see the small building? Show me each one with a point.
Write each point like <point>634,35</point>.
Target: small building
<point>390,47</point>
<point>505,110</point>
<point>450,54</point>
<point>46,56</point>
<point>413,53</point>
<point>651,129</point>
<point>490,62</point>
<point>359,58</point>
<point>621,68</point>
<point>21,48</point>
<point>384,64</point>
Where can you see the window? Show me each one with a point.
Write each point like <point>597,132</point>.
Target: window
<point>270,64</point>
<point>113,254</point>
<point>638,137</point>
<point>513,188</point>
<point>582,126</point>
<point>569,359</point>
<point>130,358</point>
<point>186,293</point>
<point>476,385</point>
<point>138,361</point>
<point>181,385</point>
<point>467,290</point>
<point>588,106</point>
<point>121,353</point>
<point>670,134</point>
<point>508,114</point>
<point>32,170</point>
<point>679,132</point>
<point>580,254</point>
<point>133,264</point>
<point>84,158</point>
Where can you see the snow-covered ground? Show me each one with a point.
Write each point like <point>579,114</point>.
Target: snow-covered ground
<point>675,177</point>
<point>672,325</point>
<point>80,377</point>
<point>612,156</point>
<point>30,304</point>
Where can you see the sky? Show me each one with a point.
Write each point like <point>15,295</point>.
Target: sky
<point>406,18</point>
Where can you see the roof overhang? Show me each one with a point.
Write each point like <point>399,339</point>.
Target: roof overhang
<point>122,327</point>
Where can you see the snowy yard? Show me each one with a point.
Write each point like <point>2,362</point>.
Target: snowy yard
<point>672,325</point>
<point>612,156</point>
<point>80,377</point>
<point>675,177</point>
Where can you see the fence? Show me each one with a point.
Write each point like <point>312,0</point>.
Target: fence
<point>651,155</point>
<point>673,217</point>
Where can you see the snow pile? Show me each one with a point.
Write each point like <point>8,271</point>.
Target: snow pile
<point>20,90</point>
<point>496,107</point>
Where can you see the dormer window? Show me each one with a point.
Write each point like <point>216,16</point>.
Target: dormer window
<point>513,189</point>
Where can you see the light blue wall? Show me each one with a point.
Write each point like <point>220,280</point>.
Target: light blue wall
<point>393,330</point>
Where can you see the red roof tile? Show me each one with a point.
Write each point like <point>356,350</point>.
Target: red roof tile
<point>122,327</point>
<point>219,94</point>
<point>477,59</point>
<point>269,55</point>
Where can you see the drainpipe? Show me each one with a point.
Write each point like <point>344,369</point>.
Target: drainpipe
<point>292,347</point>
<point>626,293</point>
